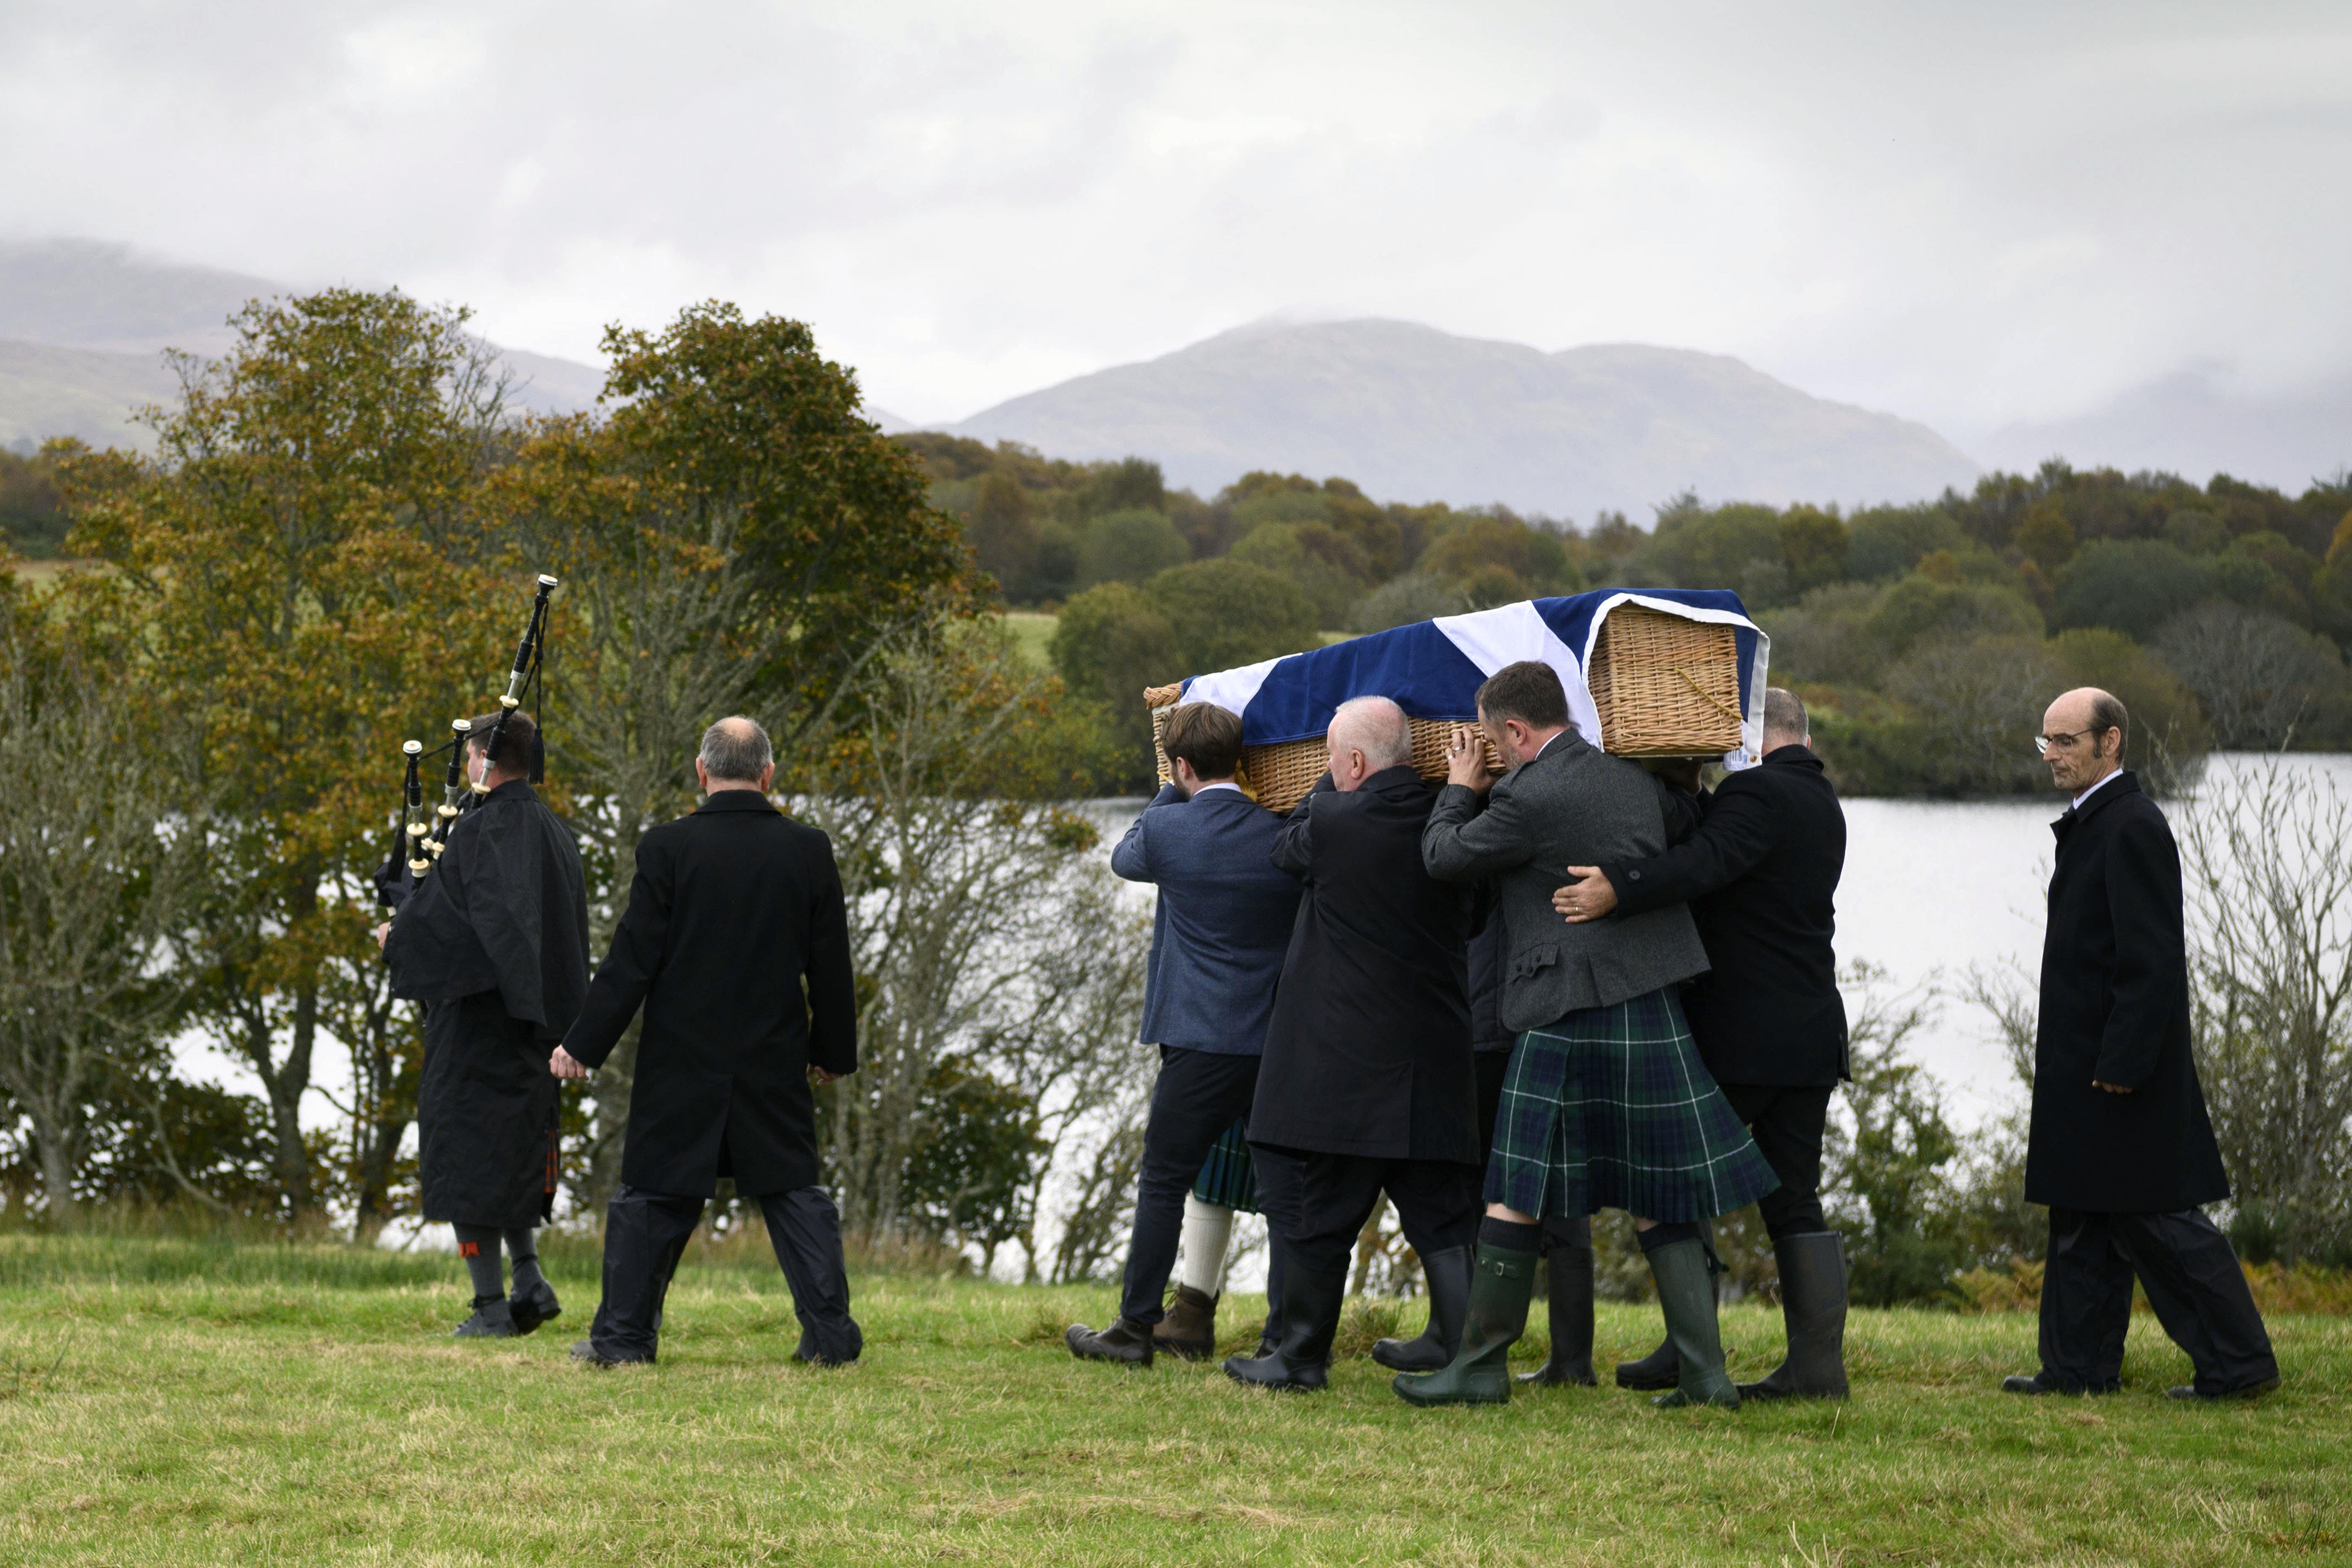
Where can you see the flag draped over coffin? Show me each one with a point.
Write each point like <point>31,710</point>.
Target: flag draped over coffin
<point>1433,670</point>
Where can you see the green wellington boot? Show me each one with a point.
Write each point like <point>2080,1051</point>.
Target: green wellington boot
<point>1687,1297</point>
<point>1501,1285</point>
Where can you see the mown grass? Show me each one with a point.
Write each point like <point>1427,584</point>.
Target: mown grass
<point>182,1401</point>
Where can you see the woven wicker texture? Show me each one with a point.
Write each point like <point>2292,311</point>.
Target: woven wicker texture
<point>1666,687</point>
<point>1278,776</point>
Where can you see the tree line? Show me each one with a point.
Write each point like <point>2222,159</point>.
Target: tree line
<point>1920,635</point>
<point>329,551</point>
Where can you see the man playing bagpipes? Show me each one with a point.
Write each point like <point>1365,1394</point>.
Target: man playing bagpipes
<point>494,940</point>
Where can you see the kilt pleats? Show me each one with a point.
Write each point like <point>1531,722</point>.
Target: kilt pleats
<point>1227,1176</point>
<point>1611,1108</point>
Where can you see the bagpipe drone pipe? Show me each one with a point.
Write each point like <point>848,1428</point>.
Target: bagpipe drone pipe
<point>418,841</point>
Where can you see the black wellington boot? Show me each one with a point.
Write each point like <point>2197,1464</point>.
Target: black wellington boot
<point>491,1321</point>
<point>532,1306</point>
<point>1500,1289</point>
<point>1812,1304</point>
<point>1660,1369</point>
<point>1570,1271</point>
<point>1686,1295</point>
<point>1189,1328</point>
<point>1309,1315</point>
<point>1448,1274</point>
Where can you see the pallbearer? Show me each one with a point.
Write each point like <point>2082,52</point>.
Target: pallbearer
<point>494,942</point>
<point>1607,1104</point>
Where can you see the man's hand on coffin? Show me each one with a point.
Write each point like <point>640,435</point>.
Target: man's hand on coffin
<point>1587,898</point>
<point>1465,760</point>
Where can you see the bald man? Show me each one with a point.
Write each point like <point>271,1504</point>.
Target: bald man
<point>2120,1146</point>
<point>1367,1084</point>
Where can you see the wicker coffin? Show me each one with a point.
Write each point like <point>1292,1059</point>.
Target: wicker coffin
<point>1664,686</point>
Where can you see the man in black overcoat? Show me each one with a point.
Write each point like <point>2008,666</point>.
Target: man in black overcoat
<point>1760,875</point>
<point>2120,1146</point>
<point>734,910</point>
<point>1367,1083</point>
<point>494,942</point>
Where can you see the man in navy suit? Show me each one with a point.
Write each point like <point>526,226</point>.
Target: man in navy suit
<point>1218,937</point>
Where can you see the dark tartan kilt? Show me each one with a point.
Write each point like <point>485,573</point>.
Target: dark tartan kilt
<point>1610,1107</point>
<point>1227,1177</point>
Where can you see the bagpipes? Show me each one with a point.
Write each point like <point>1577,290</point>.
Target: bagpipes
<point>418,843</point>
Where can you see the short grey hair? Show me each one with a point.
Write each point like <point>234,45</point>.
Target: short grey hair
<point>735,749</point>
<point>1784,713</point>
<point>1375,726</point>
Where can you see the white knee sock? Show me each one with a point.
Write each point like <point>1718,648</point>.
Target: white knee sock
<point>1200,1253</point>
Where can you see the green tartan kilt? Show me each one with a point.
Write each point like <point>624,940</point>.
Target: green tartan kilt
<point>1611,1108</point>
<point>1227,1177</point>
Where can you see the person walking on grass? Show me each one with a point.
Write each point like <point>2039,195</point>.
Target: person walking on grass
<point>1607,1104</point>
<point>2120,1147</point>
<point>1367,1086</point>
<point>1218,934</point>
<point>1760,876</point>
<point>735,908</point>
<point>494,942</point>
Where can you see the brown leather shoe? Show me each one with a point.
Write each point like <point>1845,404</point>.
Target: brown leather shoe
<point>1189,1328</point>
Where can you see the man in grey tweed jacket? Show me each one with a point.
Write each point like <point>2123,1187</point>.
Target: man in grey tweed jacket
<point>1606,1104</point>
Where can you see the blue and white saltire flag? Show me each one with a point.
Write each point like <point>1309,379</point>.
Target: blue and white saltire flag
<point>1433,670</point>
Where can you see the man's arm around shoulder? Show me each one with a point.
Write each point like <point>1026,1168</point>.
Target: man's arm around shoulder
<point>1739,829</point>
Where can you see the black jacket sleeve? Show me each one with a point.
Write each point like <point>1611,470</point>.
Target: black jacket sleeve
<point>1740,831</point>
<point>1293,846</point>
<point>630,967</point>
<point>832,985</point>
<point>2151,969</point>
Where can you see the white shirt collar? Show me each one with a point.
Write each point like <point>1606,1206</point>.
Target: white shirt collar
<point>1221,784</point>
<point>1548,744</point>
<point>2113,773</point>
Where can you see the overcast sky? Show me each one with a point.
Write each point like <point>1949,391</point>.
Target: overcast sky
<point>1967,216</point>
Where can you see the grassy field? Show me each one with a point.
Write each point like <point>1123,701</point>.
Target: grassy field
<point>179,1403</point>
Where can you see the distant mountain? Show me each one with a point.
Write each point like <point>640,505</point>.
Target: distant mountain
<point>1413,414</point>
<point>2195,425</point>
<point>83,325</point>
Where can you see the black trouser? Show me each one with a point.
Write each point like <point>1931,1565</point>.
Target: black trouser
<point>1319,1203</point>
<point>1198,1096</point>
<point>2193,1279</point>
<point>645,1233</point>
<point>1787,1125</point>
<point>1493,1066</point>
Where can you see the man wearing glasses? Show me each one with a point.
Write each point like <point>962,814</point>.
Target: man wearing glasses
<point>2120,1148</point>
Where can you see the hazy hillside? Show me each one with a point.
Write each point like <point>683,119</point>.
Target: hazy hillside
<point>83,325</point>
<point>1415,413</point>
<point>2194,425</point>
<point>46,392</point>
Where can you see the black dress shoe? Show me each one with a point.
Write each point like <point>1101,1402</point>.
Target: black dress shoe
<point>530,1309</point>
<point>586,1352</point>
<point>2251,1391</point>
<point>2039,1383</point>
<point>491,1321</point>
<point>1122,1342</point>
